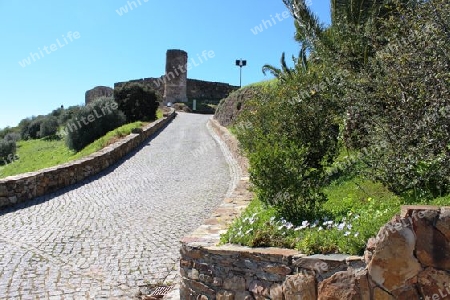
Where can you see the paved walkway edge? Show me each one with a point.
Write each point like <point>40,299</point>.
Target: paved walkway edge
<point>24,187</point>
<point>236,201</point>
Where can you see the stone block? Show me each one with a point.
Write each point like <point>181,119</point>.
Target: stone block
<point>244,296</point>
<point>225,295</point>
<point>276,291</point>
<point>443,223</point>
<point>345,286</point>
<point>434,282</point>
<point>278,270</point>
<point>193,274</point>
<point>3,190</point>
<point>393,262</point>
<point>300,287</point>
<point>218,282</point>
<point>432,247</point>
<point>235,283</point>
<point>380,294</point>
<point>259,289</point>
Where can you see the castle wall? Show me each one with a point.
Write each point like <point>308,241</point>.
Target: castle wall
<point>176,76</point>
<point>97,92</point>
<point>174,86</point>
<point>195,89</point>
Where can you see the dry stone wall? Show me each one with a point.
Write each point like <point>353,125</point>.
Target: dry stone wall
<point>408,259</point>
<point>20,188</point>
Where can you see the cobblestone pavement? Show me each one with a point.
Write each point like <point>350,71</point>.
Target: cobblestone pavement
<point>108,236</point>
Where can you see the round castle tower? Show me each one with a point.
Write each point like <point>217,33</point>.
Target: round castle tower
<point>176,76</point>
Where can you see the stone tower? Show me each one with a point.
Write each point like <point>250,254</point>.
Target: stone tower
<point>176,76</point>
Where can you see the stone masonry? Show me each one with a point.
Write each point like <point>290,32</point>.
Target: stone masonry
<point>176,76</point>
<point>174,86</point>
<point>97,92</point>
<point>24,187</point>
<point>195,89</point>
<point>116,233</point>
<point>408,259</point>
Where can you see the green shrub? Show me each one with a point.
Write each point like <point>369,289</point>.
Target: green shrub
<point>67,114</point>
<point>5,131</point>
<point>138,102</point>
<point>290,138</point>
<point>49,127</point>
<point>12,136</point>
<point>93,121</point>
<point>403,98</point>
<point>32,129</point>
<point>7,151</point>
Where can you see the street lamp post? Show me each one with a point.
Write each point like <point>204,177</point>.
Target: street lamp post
<point>240,63</point>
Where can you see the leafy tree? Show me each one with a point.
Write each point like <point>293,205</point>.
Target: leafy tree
<point>5,131</point>
<point>67,114</point>
<point>138,102</point>
<point>403,98</point>
<point>7,151</point>
<point>49,127</point>
<point>291,141</point>
<point>92,122</point>
<point>32,130</point>
<point>12,136</point>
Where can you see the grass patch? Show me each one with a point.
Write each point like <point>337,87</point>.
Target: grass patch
<point>355,210</point>
<point>269,82</point>
<point>39,154</point>
<point>347,220</point>
<point>107,139</point>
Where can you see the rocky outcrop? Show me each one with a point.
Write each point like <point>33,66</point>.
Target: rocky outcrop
<point>97,92</point>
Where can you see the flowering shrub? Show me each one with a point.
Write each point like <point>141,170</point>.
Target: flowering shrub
<point>344,226</point>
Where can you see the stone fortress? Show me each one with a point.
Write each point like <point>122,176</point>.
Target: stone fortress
<point>173,86</point>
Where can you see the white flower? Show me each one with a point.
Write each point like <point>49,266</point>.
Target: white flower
<point>341,226</point>
<point>347,233</point>
<point>320,228</point>
<point>356,234</point>
<point>349,226</point>
<point>305,224</point>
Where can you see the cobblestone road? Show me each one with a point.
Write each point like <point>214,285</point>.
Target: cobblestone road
<point>104,238</point>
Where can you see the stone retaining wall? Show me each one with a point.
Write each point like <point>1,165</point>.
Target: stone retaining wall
<point>408,259</point>
<point>23,187</point>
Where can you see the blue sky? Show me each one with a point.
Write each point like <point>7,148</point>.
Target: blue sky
<point>53,51</point>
